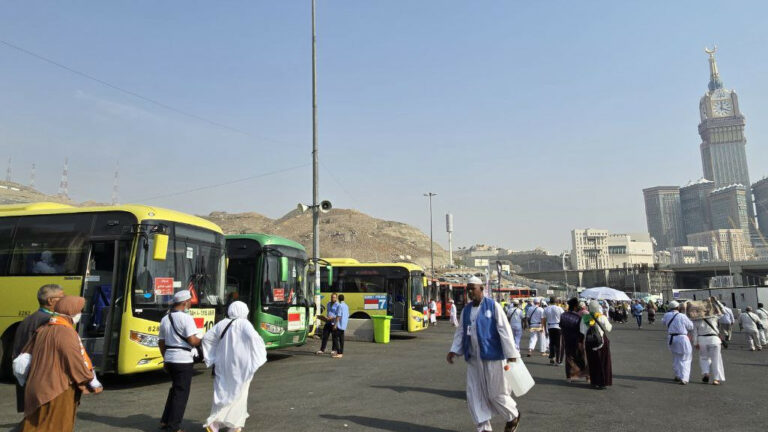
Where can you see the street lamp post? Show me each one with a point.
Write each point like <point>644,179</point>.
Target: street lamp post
<point>431,241</point>
<point>315,177</point>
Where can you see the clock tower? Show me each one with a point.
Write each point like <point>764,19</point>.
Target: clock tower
<point>723,145</point>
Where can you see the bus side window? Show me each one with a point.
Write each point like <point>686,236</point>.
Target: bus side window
<point>55,244</point>
<point>6,229</point>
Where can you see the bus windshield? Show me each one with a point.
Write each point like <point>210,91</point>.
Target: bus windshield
<point>291,291</point>
<point>195,261</point>
<point>417,290</point>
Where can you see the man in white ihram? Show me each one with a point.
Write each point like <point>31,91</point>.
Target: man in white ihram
<point>454,318</point>
<point>485,339</point>
<point>706,339</point>
<point>538,327</point>
<point>678,326</point>
<point>748,324</point>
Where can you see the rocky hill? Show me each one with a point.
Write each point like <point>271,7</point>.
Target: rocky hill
<point>14,193</point>
<point>343,233</point>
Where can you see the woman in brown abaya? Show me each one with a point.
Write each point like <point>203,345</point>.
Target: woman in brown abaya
<point>60,371</point>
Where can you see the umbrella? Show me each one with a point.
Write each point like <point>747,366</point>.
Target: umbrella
<point>604,293</point>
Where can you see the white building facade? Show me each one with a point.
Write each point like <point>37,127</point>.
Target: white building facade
<point>630,250</point>
<point>589,249</point>
<point>723,244</point>
<point>689,254</point>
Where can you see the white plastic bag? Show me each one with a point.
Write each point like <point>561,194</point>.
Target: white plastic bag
<point>21,367</point>
<point>519,378</point>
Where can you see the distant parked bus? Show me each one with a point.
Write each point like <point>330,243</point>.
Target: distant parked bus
<point>127,261</point>
<point>269,274</point>
<point>395,289</point>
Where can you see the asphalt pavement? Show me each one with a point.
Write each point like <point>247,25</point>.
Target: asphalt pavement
<point>408,386</point>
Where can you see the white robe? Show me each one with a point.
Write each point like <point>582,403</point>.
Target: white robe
<point>710,358</point>
<point>748,322</point>
<point>488,387</point>
<point>454,319</point>
<point>682,351</point>
<point>236,356</point>
<point>537,316</point>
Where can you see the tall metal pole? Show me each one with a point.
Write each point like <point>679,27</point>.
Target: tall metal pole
<point>431,241</point>
<point>315,186</point>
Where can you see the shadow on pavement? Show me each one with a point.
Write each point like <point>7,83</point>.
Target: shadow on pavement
<point>117,382</point>
<point>645,378</point>
<point>141,422</point>
<point>455,394</point>
<point>399,336</point>
<point>275,356</point>
<point>563,383</point>
<point>390,425</point>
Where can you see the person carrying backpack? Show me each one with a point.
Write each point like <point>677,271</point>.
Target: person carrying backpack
<point>595,326</point>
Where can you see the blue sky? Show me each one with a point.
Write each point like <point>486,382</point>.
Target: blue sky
<point>526,119</point>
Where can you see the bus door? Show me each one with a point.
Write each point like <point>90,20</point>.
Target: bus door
<point>241,281</point>
<point>397,303</point>
<point>443,305</point>
<point>103,290</point>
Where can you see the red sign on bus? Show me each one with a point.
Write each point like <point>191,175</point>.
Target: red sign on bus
<point>163,286</point>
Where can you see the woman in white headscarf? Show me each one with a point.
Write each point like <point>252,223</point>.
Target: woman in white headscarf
<point>235,351</point>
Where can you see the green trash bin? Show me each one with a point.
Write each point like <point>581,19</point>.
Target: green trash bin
<point>381,325</point>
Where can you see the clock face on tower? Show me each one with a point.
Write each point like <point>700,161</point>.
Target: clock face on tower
<point>722,107</point>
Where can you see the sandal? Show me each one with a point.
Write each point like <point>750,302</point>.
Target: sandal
<point>511,426</point>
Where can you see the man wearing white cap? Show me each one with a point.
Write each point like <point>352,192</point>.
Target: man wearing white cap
<point>485,339</point>
<point>537,324</point>
<point>454,317</point>
<point>177,341</point>
<point>678,326</point>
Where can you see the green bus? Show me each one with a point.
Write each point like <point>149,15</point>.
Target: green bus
<point>269,274</point>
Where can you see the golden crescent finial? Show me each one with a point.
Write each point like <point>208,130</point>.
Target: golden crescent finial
<point>710,51</point>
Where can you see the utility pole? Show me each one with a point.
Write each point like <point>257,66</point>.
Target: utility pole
<point>32,177</point>
<point>8,171</point>
<point>431,241</point>
<point>449,228</point>
<point>64,183</point>
<point>115,191</point>
<point>315,169</point>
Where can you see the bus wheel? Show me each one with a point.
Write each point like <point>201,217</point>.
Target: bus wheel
<point>6,348</point>
<point>360,315</point>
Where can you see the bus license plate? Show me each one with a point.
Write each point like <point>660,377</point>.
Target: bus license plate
<point>295,339</point>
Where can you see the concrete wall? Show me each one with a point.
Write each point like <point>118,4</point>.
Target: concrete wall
<point>359,330</point>
<point>744,296</point>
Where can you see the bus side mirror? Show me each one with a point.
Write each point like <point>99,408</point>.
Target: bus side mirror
<point>330,276</point>
<point>283,269</point>
<point>160,251</point>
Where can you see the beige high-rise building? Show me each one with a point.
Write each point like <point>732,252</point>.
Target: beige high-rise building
<point>589,249</point>
<point>723,244</point>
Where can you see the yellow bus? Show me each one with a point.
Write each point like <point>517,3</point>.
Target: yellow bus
<point>395,289</point>
<point>127,261</point>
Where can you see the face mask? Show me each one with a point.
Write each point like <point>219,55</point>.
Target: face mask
<point>76,318</point>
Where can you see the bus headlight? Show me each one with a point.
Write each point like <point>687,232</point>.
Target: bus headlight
<point>271,328</point>
<point>144,339</point>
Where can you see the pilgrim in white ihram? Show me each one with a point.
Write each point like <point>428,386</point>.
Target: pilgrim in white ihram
<point>236,351</point>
